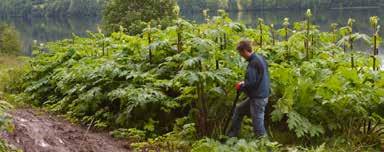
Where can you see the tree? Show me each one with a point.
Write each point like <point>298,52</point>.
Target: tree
<point>132,13</point>
<point>9,40</point>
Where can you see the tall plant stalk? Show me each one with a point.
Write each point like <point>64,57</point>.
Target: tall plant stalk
<point>206,16</point>
<point>374,23</point>
<point>73,39</point>
<point>350,39</point>
<point>286,26</point>
<point>273,33</point>
<point>261,24</point>
<point>179,37</point>
<point>103,46</point>
<point>374,20</point>
<point>308,15</point>
<point>334,35</point>
<point>202,105</point>
<point>222,41</point>
<point>149,42</point>
<point>218,41</point>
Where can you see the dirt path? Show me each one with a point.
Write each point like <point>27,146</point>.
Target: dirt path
<point>39,132</point>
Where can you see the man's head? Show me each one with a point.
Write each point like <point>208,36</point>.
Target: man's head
<point>245,49</point>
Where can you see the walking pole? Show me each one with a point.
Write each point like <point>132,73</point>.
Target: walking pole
<point>232,110</point>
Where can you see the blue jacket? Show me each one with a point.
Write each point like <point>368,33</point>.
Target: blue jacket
<point>257,83</point>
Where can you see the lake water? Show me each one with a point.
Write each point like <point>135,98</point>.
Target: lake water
<point>51,29</point>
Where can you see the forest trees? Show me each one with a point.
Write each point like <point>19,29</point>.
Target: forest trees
<point>74,7</point>
<point>9,40</point>
<point>133,13</point>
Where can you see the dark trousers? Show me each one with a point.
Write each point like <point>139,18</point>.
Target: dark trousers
<point>253,107</point>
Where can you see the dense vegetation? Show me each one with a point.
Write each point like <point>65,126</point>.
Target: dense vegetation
<point>25,8</point>
<point>170,88</point>
<point>9,40</point>
<point>135,14</point>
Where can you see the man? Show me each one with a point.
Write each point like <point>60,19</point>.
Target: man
<point>257,88</point>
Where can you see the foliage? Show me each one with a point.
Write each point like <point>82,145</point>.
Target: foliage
<point>187,70</point>
<point>4,147</point>
<point>9,40</point>
<point>180,138</point>
<point>132,134</point>
<point>210,145</point>
<point>134,13</point>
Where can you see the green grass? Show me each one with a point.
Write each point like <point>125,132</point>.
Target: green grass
<point>7,63</point>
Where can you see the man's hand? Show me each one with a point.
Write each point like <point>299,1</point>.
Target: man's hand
<point>239,85</point>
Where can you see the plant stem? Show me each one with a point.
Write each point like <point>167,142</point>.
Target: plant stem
<point>225,41</point>
<point>286,41</point>
<point>312,44</point>
<point>345,48</point>
<point>374,48</point>
<point>286,34</point>
<point>273,36</point>
<point>261,35</point>
<point>203,110</point>
<point>218,41</point>
<point>217,65</point>
<point>103,46</point>
<point>352,55</point>
<point>307,38</point>
<point>352,60</point>
<point>150,50</point>
<point>179,43</point>
<point>179,39</point>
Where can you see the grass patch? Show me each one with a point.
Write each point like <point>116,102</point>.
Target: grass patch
<point>11,70</point>
<point>8,64</point>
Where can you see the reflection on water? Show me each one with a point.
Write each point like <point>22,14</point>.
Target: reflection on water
<point>50,29</point>
<point>43,29</point>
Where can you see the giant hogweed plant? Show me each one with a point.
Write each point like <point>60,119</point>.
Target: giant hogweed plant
<point>188,70</point>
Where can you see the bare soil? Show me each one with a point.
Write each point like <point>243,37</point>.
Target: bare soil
<point>37,131</point>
